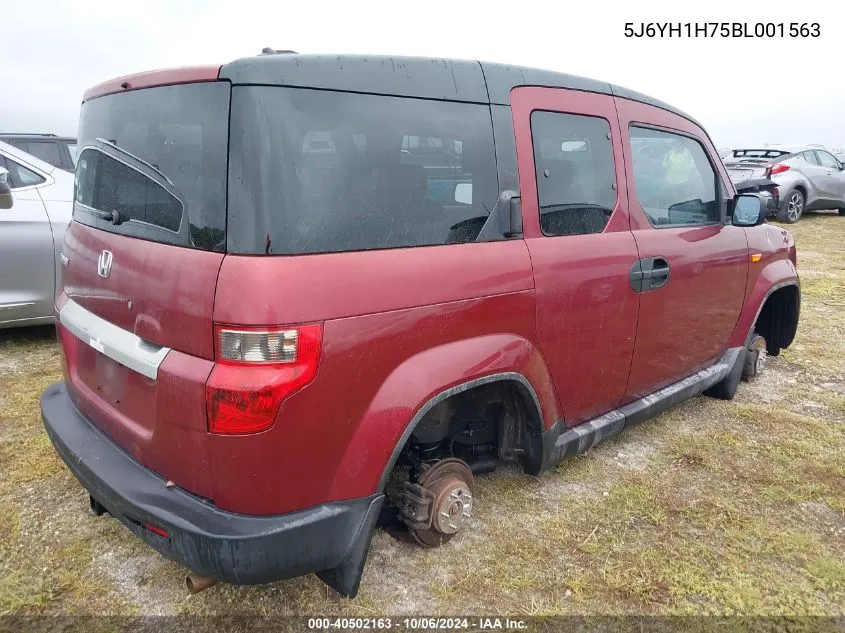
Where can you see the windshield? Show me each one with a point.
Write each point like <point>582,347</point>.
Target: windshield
<point>152,164</point>
<point>315,171</point>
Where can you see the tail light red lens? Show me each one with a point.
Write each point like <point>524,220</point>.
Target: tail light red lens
<point>257,368</point>
<point>776,169</point>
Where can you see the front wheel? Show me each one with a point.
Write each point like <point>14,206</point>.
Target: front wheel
<point>792,207</point>
<point>755,358</point>
<point>841,211</point>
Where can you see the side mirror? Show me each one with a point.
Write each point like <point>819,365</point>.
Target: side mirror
<point>505,218</point>
<point>6,200</point>
<point>749,210</point>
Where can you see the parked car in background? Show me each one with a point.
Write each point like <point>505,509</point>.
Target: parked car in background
<point>808,177</point>
<point>59,151</point>
<point>330,334</point>
<point>31,234</point>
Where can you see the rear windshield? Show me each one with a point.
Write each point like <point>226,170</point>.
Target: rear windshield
<point>314,171</point>
<point>152,164</point>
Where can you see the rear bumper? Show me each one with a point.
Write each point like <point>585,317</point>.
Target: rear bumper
<point>331,539</point>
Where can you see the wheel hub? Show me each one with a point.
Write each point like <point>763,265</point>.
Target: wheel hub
<point>454,509</point>
<point>439,504</point>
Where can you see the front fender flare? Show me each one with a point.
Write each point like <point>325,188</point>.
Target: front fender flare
<point>774,276</point>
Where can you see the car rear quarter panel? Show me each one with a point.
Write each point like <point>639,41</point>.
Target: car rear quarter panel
<point>399,327</point>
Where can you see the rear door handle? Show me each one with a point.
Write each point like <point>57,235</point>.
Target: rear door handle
<point>649,273</point>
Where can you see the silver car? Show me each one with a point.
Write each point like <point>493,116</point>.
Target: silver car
<point>35,208</point>
<point>808,176</point>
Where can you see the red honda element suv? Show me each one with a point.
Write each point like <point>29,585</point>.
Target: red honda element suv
<point>291,280</point>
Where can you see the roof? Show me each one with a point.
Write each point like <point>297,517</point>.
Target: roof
<point>421,77</point>
<point>779,147</point>
<point>27,159</point>
<point>34,136</point>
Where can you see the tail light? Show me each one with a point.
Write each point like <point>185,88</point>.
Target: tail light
<point>256,369</point>
<point>776,169</point>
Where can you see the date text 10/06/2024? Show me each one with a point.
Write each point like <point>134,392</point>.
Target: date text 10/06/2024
<point>722,29</point>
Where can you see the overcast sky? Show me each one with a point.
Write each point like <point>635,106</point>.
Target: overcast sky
<point>745,91</point>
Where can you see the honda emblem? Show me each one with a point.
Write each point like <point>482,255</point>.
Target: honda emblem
<point>104,264</point>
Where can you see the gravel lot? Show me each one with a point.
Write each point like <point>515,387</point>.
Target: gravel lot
<point>713,508</point>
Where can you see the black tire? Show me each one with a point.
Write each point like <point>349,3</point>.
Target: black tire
<point>841,211</point>
<point>791,207</point>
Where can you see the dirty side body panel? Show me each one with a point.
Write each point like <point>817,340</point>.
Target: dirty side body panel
<point>384,354</point>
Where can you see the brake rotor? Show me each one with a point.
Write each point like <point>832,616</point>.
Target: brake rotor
<point>755,358</point>
<point>449,482</point>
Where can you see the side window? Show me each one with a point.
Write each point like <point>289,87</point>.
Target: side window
<point>19,175</point>
<point>827,160</point>
<point>48,151</point>
<point>573,161</point>
<point>107,184</point>
<point>674,181</point>
<point>71,148</point>
<point>811,158</point>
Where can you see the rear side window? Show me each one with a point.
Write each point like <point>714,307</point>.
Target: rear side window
<point>71,148</point>
<point>573,160</point>
<point>48,151</point>
<point>674,181</point>
<point>105,183</point>
<point>20,176</point>
<point>811,158</point>
<point>158,157</point>
<point>317,171</point>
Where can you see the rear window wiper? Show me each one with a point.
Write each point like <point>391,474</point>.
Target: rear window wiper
<point>115,216</point>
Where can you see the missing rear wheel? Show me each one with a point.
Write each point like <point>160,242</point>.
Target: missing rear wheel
<point>439,504</point>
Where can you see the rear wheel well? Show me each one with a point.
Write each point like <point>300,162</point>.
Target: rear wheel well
<point>778,319</point>
<point>482,425</point>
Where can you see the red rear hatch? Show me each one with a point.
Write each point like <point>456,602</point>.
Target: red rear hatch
<point>142,257</point>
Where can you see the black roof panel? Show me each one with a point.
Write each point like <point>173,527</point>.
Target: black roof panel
<point>502,78</point>
<point>426,78</point>
<point>452,80</point>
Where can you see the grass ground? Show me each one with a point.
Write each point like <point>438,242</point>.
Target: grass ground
<point>712,508</point>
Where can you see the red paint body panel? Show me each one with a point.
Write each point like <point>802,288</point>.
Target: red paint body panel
<point>161,423</point>
<point>685,325</point>
<point>164,77</point>
<point>399,326</point>
<point>171,288</point>
<point>333,439</point>
<point>775,268</point>
<point>302,289</point>
<point>586,309</point>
